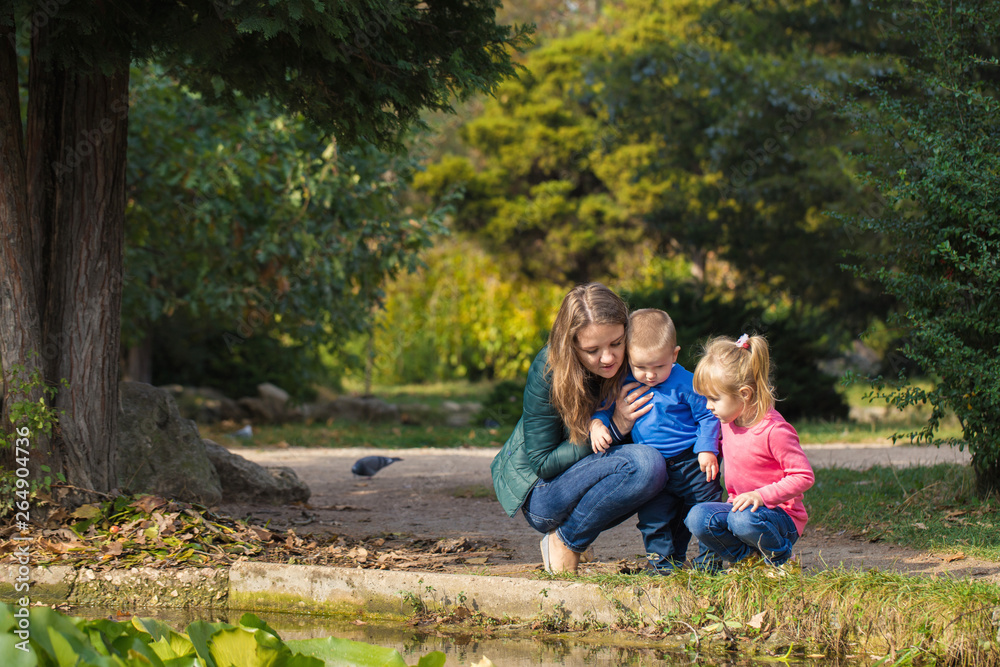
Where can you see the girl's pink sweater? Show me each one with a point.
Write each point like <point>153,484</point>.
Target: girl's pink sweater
<point>767,458</point>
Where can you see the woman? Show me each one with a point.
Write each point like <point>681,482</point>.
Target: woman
<point>547,468</point>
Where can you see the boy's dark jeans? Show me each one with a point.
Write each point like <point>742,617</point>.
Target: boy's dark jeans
<point>661,520</point>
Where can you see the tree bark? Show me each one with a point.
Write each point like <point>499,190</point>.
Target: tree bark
<point>76,148</point>
<point>20,330</point>
<point>140,362</point>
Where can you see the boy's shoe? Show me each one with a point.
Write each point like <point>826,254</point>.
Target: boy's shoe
<point>659,571</point>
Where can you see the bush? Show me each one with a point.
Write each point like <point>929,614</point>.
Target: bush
<point>936,175</point>
<point>201,354</point>
<point>798,343</point>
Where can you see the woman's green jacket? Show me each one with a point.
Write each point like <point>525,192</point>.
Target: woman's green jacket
<point>539,447</point>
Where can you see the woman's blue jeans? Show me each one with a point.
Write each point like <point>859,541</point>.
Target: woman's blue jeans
<point>595,493</point>
<point>736,535</point>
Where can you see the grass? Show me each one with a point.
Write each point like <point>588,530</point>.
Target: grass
<point>933,508</point>
<point>345,434</point>
<point>847,613</point>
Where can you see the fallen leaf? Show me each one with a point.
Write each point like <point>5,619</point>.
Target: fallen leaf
<point>476,561</point>
<point>757,620</point>
<point>149,503</point>
<point>955,556</point>
<point>282,445</point>
<point>485,662</point>
<point>262,533</point>
<point>920,525</point>
<point>358,621</point>
<point>86,512</point>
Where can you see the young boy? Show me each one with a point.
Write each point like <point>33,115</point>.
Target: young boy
<point>680,427</point>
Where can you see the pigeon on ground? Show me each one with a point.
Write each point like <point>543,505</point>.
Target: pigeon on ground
<point>369,465</point>
<point>245,432</point>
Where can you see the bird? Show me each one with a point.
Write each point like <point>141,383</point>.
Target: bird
<point>367,466</point>
<point>245,432</point>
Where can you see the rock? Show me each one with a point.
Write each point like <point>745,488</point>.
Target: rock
<point>159,451</point>
<point>276,396</point>
<point>354,408</point>
<point>460,414</point>
<point>258,409</point>
<point>244,481</point>
<point>205,405</point>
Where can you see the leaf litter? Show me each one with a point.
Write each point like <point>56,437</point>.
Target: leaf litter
<point>151,531</point>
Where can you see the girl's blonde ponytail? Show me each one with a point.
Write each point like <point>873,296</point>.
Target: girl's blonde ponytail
<point>729,365</point>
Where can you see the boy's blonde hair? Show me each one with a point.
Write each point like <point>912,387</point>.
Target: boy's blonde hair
<point>728,366</point>
<point>651,329</point>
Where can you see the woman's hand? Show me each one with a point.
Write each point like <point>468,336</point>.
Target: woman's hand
<point>634,400</point>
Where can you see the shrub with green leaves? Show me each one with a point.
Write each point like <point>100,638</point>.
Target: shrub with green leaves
<point>48,638</point>
<point>934,169</point>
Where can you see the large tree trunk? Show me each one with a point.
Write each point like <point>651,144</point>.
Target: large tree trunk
<point>71,259</point>
<point>20,328</point>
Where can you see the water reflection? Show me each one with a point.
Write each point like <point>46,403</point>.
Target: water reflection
<point>463,650</point>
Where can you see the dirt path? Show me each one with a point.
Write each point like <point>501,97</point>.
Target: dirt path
<point>439,494</point>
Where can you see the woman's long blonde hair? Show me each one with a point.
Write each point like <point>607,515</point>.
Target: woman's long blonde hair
<point>592,303</point>
<point>727,367</point>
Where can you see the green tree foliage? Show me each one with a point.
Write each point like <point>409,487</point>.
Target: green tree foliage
<point>462,316</point>
<point>362,69</point>
<point>675,126</point>
<point>250,224</point>
<point>934,170</point>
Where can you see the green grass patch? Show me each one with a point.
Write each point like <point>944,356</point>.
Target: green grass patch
<point>347,434</point>
<point>878,431</point>
<point>933,507</point>
<point>876,421</point>
<point>431,393</point>
<point>837,612</point>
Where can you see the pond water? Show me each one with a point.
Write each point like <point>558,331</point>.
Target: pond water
<point>465,650</point>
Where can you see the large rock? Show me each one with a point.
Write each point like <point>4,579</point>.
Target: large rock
<point>354,408</point>
<point>244,481</point>
<point>159,451</point>
<point>205,405</point>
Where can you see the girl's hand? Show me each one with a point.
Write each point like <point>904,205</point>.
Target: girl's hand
<point>634,400</point>
<point>600,436</point>
<point>749,499</point>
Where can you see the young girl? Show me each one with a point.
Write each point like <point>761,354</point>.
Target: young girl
<point>766,471</point>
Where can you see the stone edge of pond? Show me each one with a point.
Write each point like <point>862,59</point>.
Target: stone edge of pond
<point>248,586</point>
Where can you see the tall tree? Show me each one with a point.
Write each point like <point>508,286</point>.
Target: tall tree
<point>364,70</point>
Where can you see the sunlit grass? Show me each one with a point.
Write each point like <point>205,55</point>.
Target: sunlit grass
<point>932,507</point>
<point>882,424</point>
<point>838,612</point>
<point>348,434</point>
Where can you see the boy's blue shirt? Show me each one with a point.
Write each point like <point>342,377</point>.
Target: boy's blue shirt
<point>679,419</point>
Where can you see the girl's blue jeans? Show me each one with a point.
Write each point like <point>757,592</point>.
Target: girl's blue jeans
<point>736,535</point>
<point>595,493</point>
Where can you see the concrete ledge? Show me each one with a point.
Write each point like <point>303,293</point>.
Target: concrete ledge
<point>272,587</point>
<point>48,585</point>
<point>151,587</point>
<point>250,586</point>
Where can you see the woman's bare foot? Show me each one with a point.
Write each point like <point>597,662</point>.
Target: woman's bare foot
<point>560,558</point>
